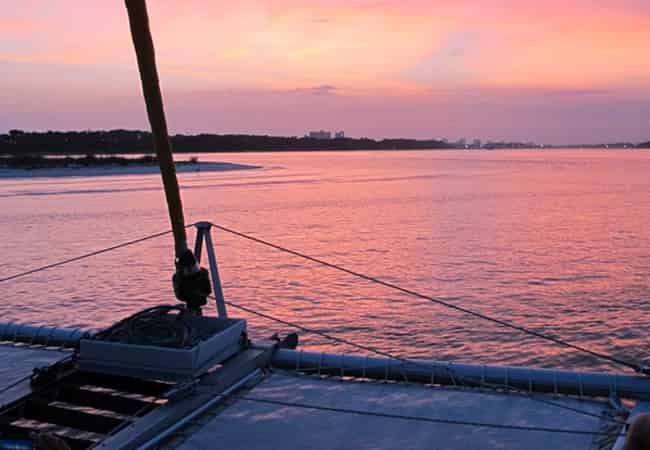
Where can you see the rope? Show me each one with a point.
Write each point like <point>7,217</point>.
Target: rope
<point>425,419</point>
<point>156,326</point>
<point>320,333</point>
<point>503,323</point>
<point>87,255</point>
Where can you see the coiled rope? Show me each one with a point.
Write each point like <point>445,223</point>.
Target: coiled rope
<point>156,326</point>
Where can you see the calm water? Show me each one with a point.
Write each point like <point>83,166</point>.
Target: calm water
<point>554,240</point>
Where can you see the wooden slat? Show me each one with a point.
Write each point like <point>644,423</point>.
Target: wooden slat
<point>70,418</point>
<point>17,432</point>
<point>210,386</point>
<point>104,401</point>
<point>123,384</point>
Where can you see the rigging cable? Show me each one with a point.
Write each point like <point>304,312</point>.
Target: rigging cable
<point>635,366</point>
<point>463,380</point>
<point>425,419</point>
<point>320,333</point>
<point>87,255</point>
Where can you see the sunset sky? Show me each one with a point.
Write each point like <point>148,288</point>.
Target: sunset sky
<point>553,71</point>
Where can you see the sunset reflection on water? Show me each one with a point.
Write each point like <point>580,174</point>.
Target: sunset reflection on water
<point>552,240</point>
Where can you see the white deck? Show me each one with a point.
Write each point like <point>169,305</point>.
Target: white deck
<point>243,424</point>
<point>17,363</point>
<point>251,425</point>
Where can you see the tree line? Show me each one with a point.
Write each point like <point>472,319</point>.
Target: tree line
<point>18,142</point>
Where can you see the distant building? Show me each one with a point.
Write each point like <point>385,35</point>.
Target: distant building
<point>461,143</point>
<point>476,143</point>
<point>321,134</point>
<point>339,134</point>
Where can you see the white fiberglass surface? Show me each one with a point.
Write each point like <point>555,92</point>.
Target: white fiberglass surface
<point>257,425</point>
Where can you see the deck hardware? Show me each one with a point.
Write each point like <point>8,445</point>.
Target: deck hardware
<point>173,354</point>
<point>203,234</point>
<point>181,390</point>
<point>20,325</point>
<point>49,336</point>
<point>451,373</point>
<point>615,402</point>
<point>386,370</point>
<point>6,330</point>
<point>580,389</point>
<point>35,335</point>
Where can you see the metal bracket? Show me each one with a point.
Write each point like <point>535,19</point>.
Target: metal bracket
<point>203,233</point>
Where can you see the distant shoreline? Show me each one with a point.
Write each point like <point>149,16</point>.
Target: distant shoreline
<point>19,142</point>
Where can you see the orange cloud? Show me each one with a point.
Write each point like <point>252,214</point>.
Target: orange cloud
<point>409,53</point>
<point>359,46</point>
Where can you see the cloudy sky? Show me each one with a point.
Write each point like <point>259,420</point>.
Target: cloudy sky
<point>552,71</point>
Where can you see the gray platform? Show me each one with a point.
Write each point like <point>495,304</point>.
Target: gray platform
<point>251,425</point>
<point>220,339</point>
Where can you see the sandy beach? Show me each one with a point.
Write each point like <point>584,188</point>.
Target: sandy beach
<point>117,170</point>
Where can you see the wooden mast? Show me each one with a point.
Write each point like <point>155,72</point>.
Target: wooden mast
<point>144,50</point>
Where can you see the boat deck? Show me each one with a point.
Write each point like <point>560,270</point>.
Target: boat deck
<point>82,408</point>
<point>16,365</point>
<point>285,409</point>
<point>250,422</point>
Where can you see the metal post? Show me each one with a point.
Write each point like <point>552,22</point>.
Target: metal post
<point>198,244</point>
<point>203,229</point>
